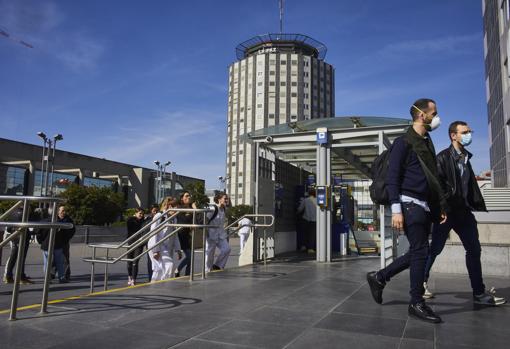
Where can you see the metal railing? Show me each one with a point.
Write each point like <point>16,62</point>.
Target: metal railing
<point>21,233</point>
<point>234,227</point>
<point>144,234</point>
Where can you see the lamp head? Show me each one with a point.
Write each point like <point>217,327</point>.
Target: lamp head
<point>58,137</point>
<point>157,162</point>
<point>168,163</point>
<point>42,135</point>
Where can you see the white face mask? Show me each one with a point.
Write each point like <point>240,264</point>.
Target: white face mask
<point>436,121</point>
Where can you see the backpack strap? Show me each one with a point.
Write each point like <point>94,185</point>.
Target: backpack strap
<point>214,215</point>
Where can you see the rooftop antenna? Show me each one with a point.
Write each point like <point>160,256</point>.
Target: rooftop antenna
<point>281,16</point>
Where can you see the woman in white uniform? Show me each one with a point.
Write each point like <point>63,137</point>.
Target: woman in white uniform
<point>162,255</point>
<point>216,235</point>
<point>244,231</point>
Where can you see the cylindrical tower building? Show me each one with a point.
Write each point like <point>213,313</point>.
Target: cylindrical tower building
<point>277,79</point>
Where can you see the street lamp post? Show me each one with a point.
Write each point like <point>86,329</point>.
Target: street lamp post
<point>57,137</point>
<point>163,178</point>
<point>157,183</point>
<point>42,135</point>
<point>223,181</point>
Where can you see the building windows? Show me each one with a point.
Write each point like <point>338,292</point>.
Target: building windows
<point>294,62</point>
<point>271,83</point>
<point>12,180</point>
<point>294,83</point>
<point>260,73</point>
<point>272,72</point>
<point>293,94</point>
<point>260,83</point>
<point>240,185</point>
<point>283,83</point>
<point>259,105</point>
<point>271,116</point>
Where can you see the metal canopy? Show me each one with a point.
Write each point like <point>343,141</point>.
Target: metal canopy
<point>354,142</point>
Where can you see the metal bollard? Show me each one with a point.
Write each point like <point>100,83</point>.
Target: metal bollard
<point>49,262</point>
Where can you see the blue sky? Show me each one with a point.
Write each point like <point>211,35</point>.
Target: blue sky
<point>136,81</point>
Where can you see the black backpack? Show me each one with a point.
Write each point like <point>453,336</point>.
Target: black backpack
<point>378,192</point>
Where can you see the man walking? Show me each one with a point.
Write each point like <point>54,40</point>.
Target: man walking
<point>68,234</point>
<point>463,195</point>
<point>308,207</point>
<point>415,196</point>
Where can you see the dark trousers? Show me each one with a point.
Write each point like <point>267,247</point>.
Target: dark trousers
<point>417,224</point>
<point>149,267</point>
<point>310,234</point>
<point>185,263</point>
<point>11,262</point>
<point>465,225</point>
<point>132,267</point>
<point>67,260</point>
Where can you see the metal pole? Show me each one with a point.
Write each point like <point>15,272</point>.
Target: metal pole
<point>382,218</point>
<point>19,262</point>
<point>192,259</point>
<point>106,271</point>
<point>42,169</point>
<point>330,207</point>
<point>257,149</point>
<point>47,168</point>
<point>52,166</point>
<point>265,247</point>
<point>49,261</point>
<point>322,217</point>
<point>92,270</point>
<point>204,237</point>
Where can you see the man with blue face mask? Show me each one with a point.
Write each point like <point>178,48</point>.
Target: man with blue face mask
<point>463,196</point>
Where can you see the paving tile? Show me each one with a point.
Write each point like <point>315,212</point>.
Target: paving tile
<point>283,316</point>
<point>395,310</point>
<point>326,339</point>
<point>257,334</point>
<point>416,329</point>
<point>178,324</point>
<point>113,339</point>
<point>205,344</point>
<point>363,324</point>
<point>407,343</point>
<point>454,334</point>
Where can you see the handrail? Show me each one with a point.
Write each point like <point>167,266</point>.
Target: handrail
<point>142,239</point>
<point>22,233</point>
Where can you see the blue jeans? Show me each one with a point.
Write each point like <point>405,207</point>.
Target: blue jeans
<point>464,223</point>
<point>417,224</point>
<point>185,263</point>
<point>58,259</point>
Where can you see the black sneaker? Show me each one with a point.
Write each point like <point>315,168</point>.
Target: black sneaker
<point>8,279</point>
<point>26,281</point>
<point>215,267</point>
<point>422,311</point>
<point>376,287</point>
<point>63,281</point>
<point>489,298</point>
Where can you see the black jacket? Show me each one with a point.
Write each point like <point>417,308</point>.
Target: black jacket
<point>449,175</point>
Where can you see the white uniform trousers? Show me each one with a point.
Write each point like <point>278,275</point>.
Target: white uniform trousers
<point>210,247</point>
<point>242,240</point>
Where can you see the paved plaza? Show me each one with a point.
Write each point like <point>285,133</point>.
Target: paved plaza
<point>290,303</point>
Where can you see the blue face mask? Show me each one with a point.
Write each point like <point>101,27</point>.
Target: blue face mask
<point>466,139</point>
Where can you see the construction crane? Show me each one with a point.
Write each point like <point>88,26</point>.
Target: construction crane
<point>4,33</point>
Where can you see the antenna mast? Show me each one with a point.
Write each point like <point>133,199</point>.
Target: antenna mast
<point>281,16</point>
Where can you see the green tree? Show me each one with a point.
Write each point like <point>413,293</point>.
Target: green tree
<point>197,191</point>
<point>93,205</point>
<point>236,212</point>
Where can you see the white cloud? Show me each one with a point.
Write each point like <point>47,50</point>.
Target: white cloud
<point>40,24</point>
<point>429,47</point>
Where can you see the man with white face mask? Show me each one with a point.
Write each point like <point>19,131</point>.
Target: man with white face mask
<point>416,201</point>
<point>463,195</point>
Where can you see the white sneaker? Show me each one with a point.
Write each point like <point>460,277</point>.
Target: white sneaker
<point>427,294</point>
<point>489,298</point>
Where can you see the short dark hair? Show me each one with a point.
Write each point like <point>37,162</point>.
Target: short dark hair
<point>139,209</point>
<point>422,104</point>
<point>453,127</point>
